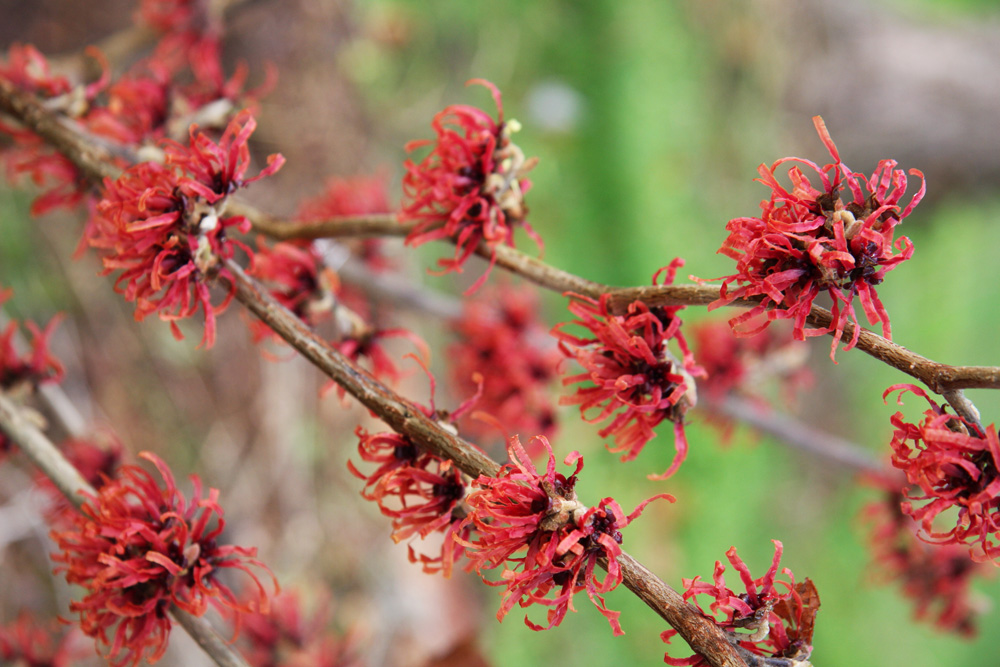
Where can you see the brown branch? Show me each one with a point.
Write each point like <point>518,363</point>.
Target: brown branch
<point>703,635</point>
<point>940,378</point>
<point>796,434</point>
<point>47,457</point>
<point>93,162</point>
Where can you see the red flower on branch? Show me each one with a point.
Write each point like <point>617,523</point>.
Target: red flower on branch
<point>936,578</point>
<point>137,548</point>
<point>420,492</point>
<point>780,623</point>
<point>287,637</point>
<point>29,70</point>
<point>471,186</point>
<point>96,459</point>
<point>501,339</point>
<point>296,277</point>
<point>953,466</point>
<point>547,542</point>
<point>22,373</point>
<point>352,197</point>
<point>633,377</point>
<point>29,643</point>
<point>808,241</point>
<point>164,226</point>
<point>27,371</point>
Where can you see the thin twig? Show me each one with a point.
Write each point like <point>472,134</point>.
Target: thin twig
<point>95,165</point>
<point>796,434</point>
<point>940,378</point>
<point>44,454</point>
<point>704,636</point>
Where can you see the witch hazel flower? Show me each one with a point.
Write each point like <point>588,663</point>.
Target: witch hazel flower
<point>296,277</point>
<point>422,494</point>
<point>470,188</point>
<point>547,542</point>
<point>353,197</point>
<point>137,548</point>
<point>952,467</point>
<point>837,238</point>
<point>631,376</point>
<point>23,372</point>
<point>288,636</point>
<point>501,339</point>
<point>764,620</point>
<point>163,226</point>
<point>29,70</point>
<point>936,578</point>
<point>28,642</point>
<point>96,458</point>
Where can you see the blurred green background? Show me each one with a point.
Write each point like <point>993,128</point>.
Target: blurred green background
<point>650,119</point>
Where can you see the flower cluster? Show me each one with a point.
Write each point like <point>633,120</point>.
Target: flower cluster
<point>296,277</point>
<point>951,465</point>
<point>547,542</point>
<point>808,241</point>
<point>352,197</point>
<point>630,372</point>
<point>936,577</point>
<point>285,636</point>
<point>780,624</point>
<point>137,548</point>
<point>743,367</point>
<point>471,186</point>
<point>21,373</point>
<point>180,83</point>
<point>28,643</point>
<point>420,492</point>
<point>501,339</point>
<point>164,225</point>
<point>96,459</point>
<point>27,69</point>
<point>26,371</point>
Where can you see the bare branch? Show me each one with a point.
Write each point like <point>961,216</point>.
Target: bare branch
<point>797,435</point>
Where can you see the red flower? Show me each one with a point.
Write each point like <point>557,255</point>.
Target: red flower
<point>22,373</point>
<point>634,375</point>
<point>781,624</point>
<point>28,643</point>
<point>936,577</point>
<point>137,548</point>
<point>163,226</point>
<point>952,465</point>
<point>97,460</point>
<point>296,277</point>
<point>352,197</point>
<point>285,636</point>
<point>34,367</point>
<point>809,241</point>
<point>420,492</point>
<point>28,69</point>
<point>546,540</point>
<point>501,339</point>
<point>471,186</point>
